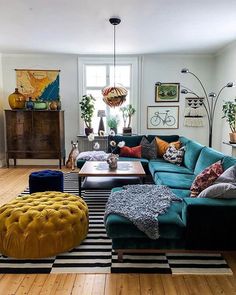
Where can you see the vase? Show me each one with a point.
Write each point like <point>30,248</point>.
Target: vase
<point>88,131</point>
<point>40,105</point>
<point>114,129</point>
<point>112,160</point>
<point>29,104</point>
<point>16,100</point>
<point>53,105</point>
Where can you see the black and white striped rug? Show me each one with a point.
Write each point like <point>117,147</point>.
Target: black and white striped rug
<point>95,254</point>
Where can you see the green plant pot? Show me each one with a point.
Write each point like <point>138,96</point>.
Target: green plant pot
<point>88,131</point>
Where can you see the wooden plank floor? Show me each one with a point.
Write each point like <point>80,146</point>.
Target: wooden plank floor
<point>14,180</point>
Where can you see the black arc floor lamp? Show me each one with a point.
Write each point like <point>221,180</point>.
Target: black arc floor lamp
<point>210,101</point>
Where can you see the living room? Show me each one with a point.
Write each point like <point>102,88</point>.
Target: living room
<point>158,40</point>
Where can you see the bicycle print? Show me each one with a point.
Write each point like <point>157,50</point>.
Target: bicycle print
<point>163,117</point>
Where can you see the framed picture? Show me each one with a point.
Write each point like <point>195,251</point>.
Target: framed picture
<point>167,92</point>
<point>38,84</point>
<point>162,117</point>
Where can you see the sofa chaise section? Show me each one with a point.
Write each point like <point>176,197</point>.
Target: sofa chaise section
<point>194,224</point>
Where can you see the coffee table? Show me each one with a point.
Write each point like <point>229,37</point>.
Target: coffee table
<point>101,169</point>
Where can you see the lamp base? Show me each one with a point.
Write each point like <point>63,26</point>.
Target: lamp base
<point>101,126</point>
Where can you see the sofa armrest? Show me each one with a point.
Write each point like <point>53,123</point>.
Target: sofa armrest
<point>210,223</point>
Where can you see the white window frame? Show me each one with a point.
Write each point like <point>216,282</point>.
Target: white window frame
<point>134,82</point>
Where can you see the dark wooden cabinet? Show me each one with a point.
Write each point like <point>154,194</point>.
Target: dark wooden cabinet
<point>35,135</point>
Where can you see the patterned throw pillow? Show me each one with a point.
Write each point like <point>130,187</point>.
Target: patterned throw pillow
<point>174,155</point>
<point>162,146</point>
<point>132,152</point>
<point>149,149</point>
<point>206,178</point>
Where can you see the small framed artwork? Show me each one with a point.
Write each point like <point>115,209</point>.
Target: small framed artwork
<point>167,92</point>
<point>162,117</point>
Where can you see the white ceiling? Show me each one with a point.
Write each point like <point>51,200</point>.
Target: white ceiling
<point>147,26</point>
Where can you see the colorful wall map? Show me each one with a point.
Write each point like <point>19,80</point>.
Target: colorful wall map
<point>38,84</point>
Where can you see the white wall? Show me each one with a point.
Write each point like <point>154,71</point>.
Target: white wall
<point>153,68</point>
<point>2,145</point>
<point>166,68</point>
<point>68,86</point>
<point>225,62</point>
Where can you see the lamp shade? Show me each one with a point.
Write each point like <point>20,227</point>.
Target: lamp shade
<point>230,84</point>
<point>185,70</point>
<point>114,96</point>
<point>101,113</point>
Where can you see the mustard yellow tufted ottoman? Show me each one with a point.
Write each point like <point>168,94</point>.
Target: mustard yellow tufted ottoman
<point>42,224</point>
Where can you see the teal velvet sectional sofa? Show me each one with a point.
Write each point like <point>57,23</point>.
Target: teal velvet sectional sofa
<point>193,224</point>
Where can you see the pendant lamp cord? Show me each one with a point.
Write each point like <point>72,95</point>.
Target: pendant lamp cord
<point>114,54</point>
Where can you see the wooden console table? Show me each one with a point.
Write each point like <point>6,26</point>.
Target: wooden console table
<point>85,145</point>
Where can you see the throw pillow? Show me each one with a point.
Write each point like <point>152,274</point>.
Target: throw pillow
<point>219,190</point>
<point>228,176</point>
<point>132,152</point>
<point>173,155</point>
<point>206,178</point>
<point>162,146</point>
<point>149,149</point>
<point>93,156</point>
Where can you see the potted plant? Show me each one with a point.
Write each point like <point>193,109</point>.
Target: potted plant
<point>87,111</point>
<point>229,110</point>
<point>127,112</point>
<point>113,122</point>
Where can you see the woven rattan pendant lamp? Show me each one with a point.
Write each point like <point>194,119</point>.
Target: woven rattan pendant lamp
<point>114,95</point>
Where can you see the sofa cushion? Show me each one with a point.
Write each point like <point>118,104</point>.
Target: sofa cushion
<point>219,190</point>
<point>149,149</point>
<point>181,193</point>
<point>207,157</point>
<point>174,155</point>
<point>163,166</point>
<point>192,151</point>
<point>223,187</point>
<point>228,162</point>
<point>163,145</point>
<point>130,141</point>
<point>206,178</point>
<point>228,176</point>
<point>132,152</point>
<point>174,180</point>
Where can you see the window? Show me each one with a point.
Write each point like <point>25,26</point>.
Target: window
<point>96,74</point>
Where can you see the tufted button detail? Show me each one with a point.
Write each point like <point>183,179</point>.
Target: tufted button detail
<point>52,221</point>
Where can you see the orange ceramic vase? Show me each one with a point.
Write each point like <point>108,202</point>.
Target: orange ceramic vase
<point>16,100</point>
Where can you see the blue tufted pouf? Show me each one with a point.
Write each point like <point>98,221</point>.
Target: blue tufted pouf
<point>46,180</point>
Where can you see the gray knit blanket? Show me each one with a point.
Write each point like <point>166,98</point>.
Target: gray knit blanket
<point>141,204</point>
